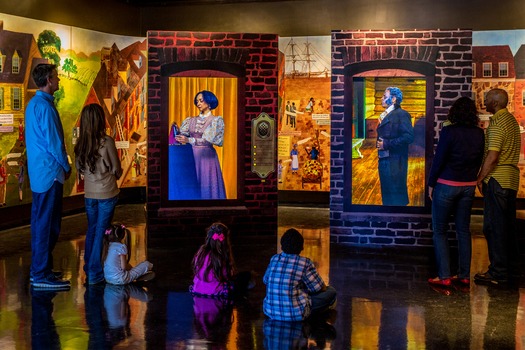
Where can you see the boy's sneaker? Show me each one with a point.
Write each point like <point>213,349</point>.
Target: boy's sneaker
<point>55,274</point>
<point>51,283</point>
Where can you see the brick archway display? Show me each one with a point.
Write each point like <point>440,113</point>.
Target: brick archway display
<point>253,59</point>
<point>448,54</point>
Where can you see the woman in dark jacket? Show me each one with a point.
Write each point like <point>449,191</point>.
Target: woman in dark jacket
<point>452,185</point>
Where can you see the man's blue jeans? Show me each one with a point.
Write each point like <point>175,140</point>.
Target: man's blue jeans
<point>46,219</point>
<point>499,227</point>
<point>99,215</point>
<point>447,201</point>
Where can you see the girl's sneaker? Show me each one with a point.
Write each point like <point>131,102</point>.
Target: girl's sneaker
<point>148,276</point>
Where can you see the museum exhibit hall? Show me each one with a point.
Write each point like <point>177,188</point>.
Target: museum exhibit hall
<point>148,147</point>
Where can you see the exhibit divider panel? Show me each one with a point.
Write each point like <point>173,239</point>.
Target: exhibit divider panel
<point>241,71</point>
<point>433,68</point>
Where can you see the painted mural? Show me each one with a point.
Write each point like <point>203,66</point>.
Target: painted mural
<point>111,70</point>
<point>93,67</point>
<point>304,114</point>
<point>498,61</point>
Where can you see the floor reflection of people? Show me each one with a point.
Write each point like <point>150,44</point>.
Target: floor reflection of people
<point>284,335</point>
<point>449,327</point>
<point>43,330</point>
<point>96,318</point>
<point>212,318</point>
<point>203,132</point>
<point>116,304</point>
<point>312,333</point>
<point>392,332</point>
<point>500,328</point>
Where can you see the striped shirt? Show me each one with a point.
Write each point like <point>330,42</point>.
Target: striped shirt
<point>290,279</point>
<point>503,136</point>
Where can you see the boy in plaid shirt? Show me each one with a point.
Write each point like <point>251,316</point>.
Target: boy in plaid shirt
<point>294,289</point>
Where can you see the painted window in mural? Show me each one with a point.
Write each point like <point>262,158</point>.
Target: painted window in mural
<point>304,117</point>
<point>388,141</point>
<point>202,138</point>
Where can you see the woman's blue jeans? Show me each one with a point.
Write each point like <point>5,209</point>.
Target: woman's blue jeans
<point>99,215</point>
<point>454,201</point>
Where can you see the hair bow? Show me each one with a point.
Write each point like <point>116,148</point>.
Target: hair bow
<point>218,236</point>
<point>108,231</point>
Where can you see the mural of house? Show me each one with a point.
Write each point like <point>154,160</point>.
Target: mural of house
<point>492,67</point>
<point>519,87</point>
<point>18,55</point>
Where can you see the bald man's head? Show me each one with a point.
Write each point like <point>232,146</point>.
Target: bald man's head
<point>496,99</point>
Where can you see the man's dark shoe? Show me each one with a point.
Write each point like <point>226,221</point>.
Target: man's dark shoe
<point>51,283</point>
<point>487,278</point>
<point>55,274</point>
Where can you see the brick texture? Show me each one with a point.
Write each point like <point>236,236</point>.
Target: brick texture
<point>255,56</point>
<point>450,52</point>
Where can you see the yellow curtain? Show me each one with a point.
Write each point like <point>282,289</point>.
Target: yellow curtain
<point>182,91</point>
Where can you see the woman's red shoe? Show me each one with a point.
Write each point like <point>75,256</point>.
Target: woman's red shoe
<point>440,282</point>
<point>464,281</point>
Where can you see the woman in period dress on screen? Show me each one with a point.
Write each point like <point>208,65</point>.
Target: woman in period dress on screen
<point>203,132</point>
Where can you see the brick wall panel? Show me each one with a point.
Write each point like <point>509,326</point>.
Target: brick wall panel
<point>258,54</point>
<point>450,51</point>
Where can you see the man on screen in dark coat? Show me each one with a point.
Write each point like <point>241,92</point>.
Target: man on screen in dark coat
<point>394,133</point>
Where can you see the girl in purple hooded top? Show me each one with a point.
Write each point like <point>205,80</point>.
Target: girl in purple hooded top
<point>214,272</point>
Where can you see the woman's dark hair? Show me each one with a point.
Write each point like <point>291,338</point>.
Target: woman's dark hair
<point>41,73</point>
<point>292,242</point>
<point>217,246</point>
<point>91,137</point>
<point>464,112</point>
<point>208,97</point>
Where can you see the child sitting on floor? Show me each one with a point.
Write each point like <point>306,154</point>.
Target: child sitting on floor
<point>117,269</point>
<point>294,289</point>
<point>214,268</point>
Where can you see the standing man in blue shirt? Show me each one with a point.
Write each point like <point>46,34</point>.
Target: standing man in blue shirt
<point>48,168</point>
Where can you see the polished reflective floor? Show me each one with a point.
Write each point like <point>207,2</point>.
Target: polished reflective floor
<point>384,302</point>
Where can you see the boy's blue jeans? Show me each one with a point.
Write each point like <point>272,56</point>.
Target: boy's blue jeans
<point>321,301</point>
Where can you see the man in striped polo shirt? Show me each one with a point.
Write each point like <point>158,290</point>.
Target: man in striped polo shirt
<point>498,181</point>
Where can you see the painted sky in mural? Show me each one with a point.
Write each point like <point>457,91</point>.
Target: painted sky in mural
<point>513,38</point>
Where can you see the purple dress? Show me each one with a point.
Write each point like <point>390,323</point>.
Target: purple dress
<point>208,285</point>
<point>207,131</point>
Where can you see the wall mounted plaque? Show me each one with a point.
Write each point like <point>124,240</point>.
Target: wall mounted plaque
<point>263,145</point>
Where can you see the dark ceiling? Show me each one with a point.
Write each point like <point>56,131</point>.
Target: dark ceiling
<point>192,2</point>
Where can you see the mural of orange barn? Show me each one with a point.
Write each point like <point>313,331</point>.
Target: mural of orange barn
<point>119,88</point>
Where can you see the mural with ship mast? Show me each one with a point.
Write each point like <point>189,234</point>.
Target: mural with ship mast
<point>304,119</point>
<point>307,60</point>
